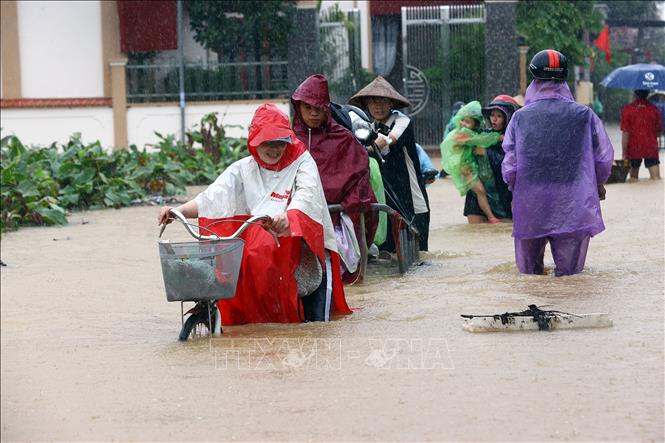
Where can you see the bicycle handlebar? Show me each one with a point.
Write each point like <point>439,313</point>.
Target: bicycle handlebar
<point>181,218</point>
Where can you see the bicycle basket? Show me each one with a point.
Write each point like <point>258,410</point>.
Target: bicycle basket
<point>205,270</point>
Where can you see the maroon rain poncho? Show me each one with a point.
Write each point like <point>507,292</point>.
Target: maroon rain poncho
<point>557,152</point>
<point>342,161</point>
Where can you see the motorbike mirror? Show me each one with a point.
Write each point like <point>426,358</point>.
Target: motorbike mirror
<point>362,131</point>
<point>355,113</point>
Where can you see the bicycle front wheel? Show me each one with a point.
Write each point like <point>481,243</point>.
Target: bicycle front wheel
<point>196,326</point>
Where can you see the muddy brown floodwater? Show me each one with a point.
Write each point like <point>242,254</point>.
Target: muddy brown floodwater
<point>90,351</point>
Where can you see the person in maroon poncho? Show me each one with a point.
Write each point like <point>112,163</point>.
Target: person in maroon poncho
<point>342,161</point>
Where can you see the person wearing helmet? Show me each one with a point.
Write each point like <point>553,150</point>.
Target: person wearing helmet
<point>558,156</point>
<point>497,114</point>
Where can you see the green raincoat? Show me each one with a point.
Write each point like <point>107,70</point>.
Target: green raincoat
<point>377,186</point>
<point>457,148</point>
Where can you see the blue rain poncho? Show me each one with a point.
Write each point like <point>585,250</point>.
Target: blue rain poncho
<point>557,153</point>
<point>457,148</point>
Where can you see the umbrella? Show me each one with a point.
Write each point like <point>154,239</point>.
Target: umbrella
<point>639,76</point>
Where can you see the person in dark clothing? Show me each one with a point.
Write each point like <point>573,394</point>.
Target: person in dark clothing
<point>402,177</point>
<point>498,114</point>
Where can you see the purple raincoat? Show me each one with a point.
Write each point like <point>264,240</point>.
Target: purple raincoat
<point>557,152</point>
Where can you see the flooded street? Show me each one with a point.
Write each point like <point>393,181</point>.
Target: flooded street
<point>90,352</point>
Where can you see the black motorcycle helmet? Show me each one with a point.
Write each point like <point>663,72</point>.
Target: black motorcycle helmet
<point>549,65</point>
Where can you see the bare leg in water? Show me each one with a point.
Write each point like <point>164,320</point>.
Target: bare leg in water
<point>634,174</point>
<point>475,219</point>
<point>654,172</point>
<point>484,204</point>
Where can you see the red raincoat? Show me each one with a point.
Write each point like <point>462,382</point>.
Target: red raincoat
<point>267,289</point>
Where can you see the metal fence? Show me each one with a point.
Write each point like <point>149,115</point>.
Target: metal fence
<point>339,48</point>
<point>443,49</point>
<point>207,81</point>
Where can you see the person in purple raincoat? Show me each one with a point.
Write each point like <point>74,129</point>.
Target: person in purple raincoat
<point>558,156</point>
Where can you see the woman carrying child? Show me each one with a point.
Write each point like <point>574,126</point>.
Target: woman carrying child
<point>458,157</point>
<point>402,177</point>
<point>497,114</point>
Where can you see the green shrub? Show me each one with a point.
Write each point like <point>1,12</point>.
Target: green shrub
<point>89,177</point>
<point>29,190</point>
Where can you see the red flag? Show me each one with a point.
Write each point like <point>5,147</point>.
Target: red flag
<point>603,43</point>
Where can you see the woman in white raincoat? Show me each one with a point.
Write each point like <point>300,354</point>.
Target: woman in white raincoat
<point>279,179</point>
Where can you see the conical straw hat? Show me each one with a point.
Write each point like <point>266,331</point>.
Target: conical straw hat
<point>379,87</point>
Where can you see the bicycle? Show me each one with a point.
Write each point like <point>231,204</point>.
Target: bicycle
<point>202,272</point>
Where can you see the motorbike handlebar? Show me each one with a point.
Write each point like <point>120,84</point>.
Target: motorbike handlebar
<point>377,151</point>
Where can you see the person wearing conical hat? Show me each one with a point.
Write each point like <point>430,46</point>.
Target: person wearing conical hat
<point>381,86</point>
<point>402,177</point>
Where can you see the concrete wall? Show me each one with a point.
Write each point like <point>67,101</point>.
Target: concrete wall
<point>45,126</point>
<point>144,121</point>
<point>60,49</point>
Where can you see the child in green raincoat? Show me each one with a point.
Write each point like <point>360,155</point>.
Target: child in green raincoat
<point>457,154</point>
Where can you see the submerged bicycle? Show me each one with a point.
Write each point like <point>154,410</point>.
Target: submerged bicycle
<point>203,272</point>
